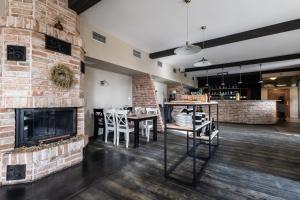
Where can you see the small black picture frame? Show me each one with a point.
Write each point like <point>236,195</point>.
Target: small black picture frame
<point>16,53</point>
<point>82,67</point>
<point>57,45</point>
<point>15,172</point>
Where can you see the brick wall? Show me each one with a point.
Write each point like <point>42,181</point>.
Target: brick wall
<point>246,112</point>
<point>27,85</point>
<point>42,162</point>
<point>179,88</point>
<point>143,95</point>
<point>45,12</point>
<point>7,129</point>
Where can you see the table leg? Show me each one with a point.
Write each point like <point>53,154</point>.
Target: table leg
<point>187,143</point>
<point>155,129</point>
<point>136,133</point>
<point>194,146</point>
<point>165,142</point>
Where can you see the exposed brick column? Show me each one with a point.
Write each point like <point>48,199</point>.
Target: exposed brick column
<point>7,129</point>
<point>143,95</point>
<point>180,90</point>
<point>26,84</point>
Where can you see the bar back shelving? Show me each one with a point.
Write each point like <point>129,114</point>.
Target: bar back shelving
<point>193,133</point>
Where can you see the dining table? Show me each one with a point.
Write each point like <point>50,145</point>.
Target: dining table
<point>136,119</point>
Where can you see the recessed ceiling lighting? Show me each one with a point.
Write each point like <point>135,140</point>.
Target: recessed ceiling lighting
<point>273,78</point>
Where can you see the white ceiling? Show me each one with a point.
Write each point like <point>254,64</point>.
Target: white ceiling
<point>155,25</point>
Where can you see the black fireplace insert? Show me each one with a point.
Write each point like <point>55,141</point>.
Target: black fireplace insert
<point>44,125</point>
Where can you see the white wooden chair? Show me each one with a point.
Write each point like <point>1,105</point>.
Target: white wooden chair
<point>110,123</point>
<point>140,110</point>
<point>123,126</point>
<point>149,123</point>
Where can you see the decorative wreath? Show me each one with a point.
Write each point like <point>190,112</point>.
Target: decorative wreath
<point>62,76</point>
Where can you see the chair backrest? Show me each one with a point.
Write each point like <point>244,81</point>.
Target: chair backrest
<point>110,117</point>
<point>121,117</point>
<point>152,111</point>
<point>139,110</point>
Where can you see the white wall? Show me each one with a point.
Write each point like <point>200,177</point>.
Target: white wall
<point>161,91</point>
<point>2,8</point>
<point>119,53</point>
<point>117,94</point>
<point>294,102</point>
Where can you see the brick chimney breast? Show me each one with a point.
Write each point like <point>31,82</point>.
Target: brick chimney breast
<point>25,83</point>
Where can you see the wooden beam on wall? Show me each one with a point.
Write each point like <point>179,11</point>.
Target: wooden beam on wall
<point>246,62</point>
<point>238,37</point>
<point>79,6</point>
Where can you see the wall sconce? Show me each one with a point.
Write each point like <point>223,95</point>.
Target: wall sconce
<point>104,83</point>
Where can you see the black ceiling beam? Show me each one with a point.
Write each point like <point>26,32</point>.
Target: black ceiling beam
<point>238,37</point>
<point>79,6</point>
<point>269,71</point>
<point>293,69</point>
<point>246,62</point>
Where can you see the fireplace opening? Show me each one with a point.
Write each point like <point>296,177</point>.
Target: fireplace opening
<point>44,125</point>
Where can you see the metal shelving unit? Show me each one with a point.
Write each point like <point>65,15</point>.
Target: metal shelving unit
<point>192,133</point>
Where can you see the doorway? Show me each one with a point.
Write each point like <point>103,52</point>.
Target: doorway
<point>276,93</point>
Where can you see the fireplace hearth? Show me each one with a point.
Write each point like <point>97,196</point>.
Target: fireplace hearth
<point>44,125</point>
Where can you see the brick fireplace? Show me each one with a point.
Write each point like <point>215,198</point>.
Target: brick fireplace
<point>25,84</point>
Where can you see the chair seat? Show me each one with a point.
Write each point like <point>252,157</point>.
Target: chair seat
<point>131,129</point>
<point>150,126</point>
<point>110,126</point>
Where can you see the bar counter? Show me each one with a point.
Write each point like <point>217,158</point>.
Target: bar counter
<point>247,111</point>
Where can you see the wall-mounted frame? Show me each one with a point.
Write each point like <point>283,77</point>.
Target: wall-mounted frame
<point>57,45</point>
<point>82,67</point>
<point>16,53</point>
<point>15,172</point>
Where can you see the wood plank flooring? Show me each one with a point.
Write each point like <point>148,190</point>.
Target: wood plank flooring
<point>252,162</point>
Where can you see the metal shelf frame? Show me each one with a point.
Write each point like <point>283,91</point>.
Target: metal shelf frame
<point>190,152</point>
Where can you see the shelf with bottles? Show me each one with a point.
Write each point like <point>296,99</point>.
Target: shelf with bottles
<point>228,97</point>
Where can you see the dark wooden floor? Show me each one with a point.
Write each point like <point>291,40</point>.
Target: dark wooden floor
<point>252,162</point>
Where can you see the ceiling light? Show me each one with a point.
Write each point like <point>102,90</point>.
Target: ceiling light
<point>202,63</point>
<point>260,80</point>
<point>273,78</point>
<point>240,82</point>
<point>223,80</point>
<point>207,84</point>
<point>188,49</point>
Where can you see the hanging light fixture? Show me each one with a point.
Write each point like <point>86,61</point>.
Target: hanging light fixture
<point>207,84</point>
<point>240,82</point>
<point>223,81</point>
<point>260,80</point>
<point>203,62</point>
<point>188,49</point>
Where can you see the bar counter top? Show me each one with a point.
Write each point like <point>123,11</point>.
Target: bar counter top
<point>247,111</point>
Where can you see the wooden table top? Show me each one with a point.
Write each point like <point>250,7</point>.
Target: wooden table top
<point>140,116</point>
